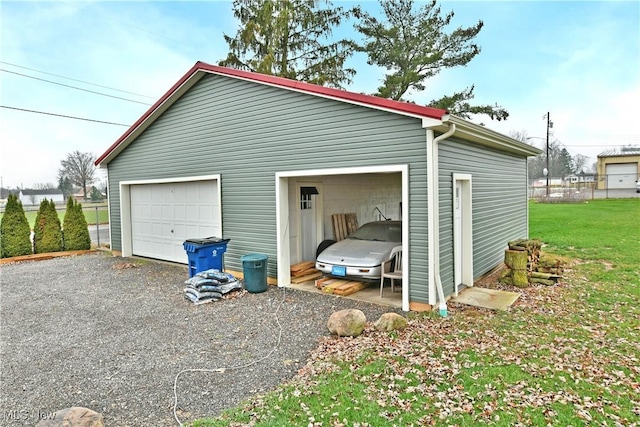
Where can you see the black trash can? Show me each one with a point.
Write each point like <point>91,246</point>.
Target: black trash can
<point>254,268</point>
<point>205,254</point>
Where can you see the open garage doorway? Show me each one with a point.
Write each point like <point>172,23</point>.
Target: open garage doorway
<point>306,201</point>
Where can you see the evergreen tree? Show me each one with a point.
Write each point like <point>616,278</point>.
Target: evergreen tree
<point>39,226</point>
<point>15,233</point>
<point>565,163</point>
<point>75,229</point>
<point>65,185</point>
<point>47,230</point>
<point>95,194</point>
<point>414,45</point>
<point>290,38</point>
<point>54,230</point>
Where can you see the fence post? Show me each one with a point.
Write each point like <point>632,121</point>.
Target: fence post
<point>98,227</point>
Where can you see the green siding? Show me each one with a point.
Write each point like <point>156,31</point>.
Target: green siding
<point>246,132</point>
<point>499,198</point>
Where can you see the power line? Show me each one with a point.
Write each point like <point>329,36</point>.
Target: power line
<point>75,80</point>
<point>63,115</point>
<point>74,87</point>
<point>596,145</point>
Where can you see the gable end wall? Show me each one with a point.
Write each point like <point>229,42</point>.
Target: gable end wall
<point>246,132</point>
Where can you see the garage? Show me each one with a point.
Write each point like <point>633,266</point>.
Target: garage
<point>621,175</point>
<point>164,214</point>
<point>289,157</point>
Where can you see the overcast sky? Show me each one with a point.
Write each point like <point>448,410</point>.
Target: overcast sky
<point>580,61</point>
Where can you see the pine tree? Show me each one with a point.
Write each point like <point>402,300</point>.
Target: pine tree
<point>54,230</point>
<point>292,39</point>
<point>39,226</point>
<point>414,45</point>
<point>47,230</point>
<point>75,229</point>
<point>15,233</point>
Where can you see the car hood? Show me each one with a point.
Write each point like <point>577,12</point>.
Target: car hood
<point>364,253</point>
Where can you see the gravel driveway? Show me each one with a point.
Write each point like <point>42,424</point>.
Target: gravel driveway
<point>110,334</point>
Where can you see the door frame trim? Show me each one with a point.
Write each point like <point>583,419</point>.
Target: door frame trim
<point>282,217</point>
<point>465,236</point>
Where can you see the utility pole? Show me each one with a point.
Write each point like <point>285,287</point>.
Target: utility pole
<point>549,126</point>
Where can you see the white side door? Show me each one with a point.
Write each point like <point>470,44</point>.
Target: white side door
<point>457,234</point>
<point>462,231</point>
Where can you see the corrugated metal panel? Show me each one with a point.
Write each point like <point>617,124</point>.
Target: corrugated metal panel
<point>246,132</point>
<point>499,198</point>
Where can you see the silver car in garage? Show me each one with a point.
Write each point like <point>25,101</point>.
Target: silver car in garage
<point>360,255</point>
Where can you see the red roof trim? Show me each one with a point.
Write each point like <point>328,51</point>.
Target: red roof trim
<point>373,101</point>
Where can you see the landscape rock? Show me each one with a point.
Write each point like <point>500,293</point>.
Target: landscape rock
<point>73,417</point>
<point>347,323</point>
<point>390,322</point>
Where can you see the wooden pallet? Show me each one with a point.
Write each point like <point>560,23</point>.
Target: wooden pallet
<point>340,287</point>
<point>304,272</point>
<point>300,268</point>
<point>306,278</point>
<point>343,225</point>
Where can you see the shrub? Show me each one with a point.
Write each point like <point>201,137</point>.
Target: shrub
<point>47,232</point>
<point>39,225</point>
<point>15,233</point>
<point>75,230</point>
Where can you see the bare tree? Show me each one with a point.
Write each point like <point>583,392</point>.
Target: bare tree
<point>520,135</point>
<point>44,186</point>
<point>579,163</point>
<point>79,168</point>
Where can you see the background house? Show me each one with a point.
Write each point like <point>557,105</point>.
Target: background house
<point>4,195</point>
<point>229,153</point>
<point>35,197</point>
<point>93,193</point>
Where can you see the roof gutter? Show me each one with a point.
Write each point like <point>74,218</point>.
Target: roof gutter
<point>484,136</point>
<point>433,204</point>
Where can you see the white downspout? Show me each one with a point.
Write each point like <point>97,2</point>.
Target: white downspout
<point>434,209</point>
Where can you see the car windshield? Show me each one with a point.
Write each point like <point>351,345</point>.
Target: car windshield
<point>383,231</point>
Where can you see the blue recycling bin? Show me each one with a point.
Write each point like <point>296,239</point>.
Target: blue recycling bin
<point>254,269</point>
<point>205,254</point>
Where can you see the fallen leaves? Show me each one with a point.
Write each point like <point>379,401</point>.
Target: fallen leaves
<point>561,355</point>
<point>123,265</point>
<point>538,360</point>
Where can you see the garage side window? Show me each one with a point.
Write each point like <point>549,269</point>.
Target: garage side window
<point>306,200</point>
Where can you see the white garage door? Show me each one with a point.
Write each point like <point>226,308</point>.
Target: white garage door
<point>622,175</point>
<point>164,215</point>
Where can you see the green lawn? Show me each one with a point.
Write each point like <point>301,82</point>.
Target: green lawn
<point>89,214</point>
<point>564,355</point>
